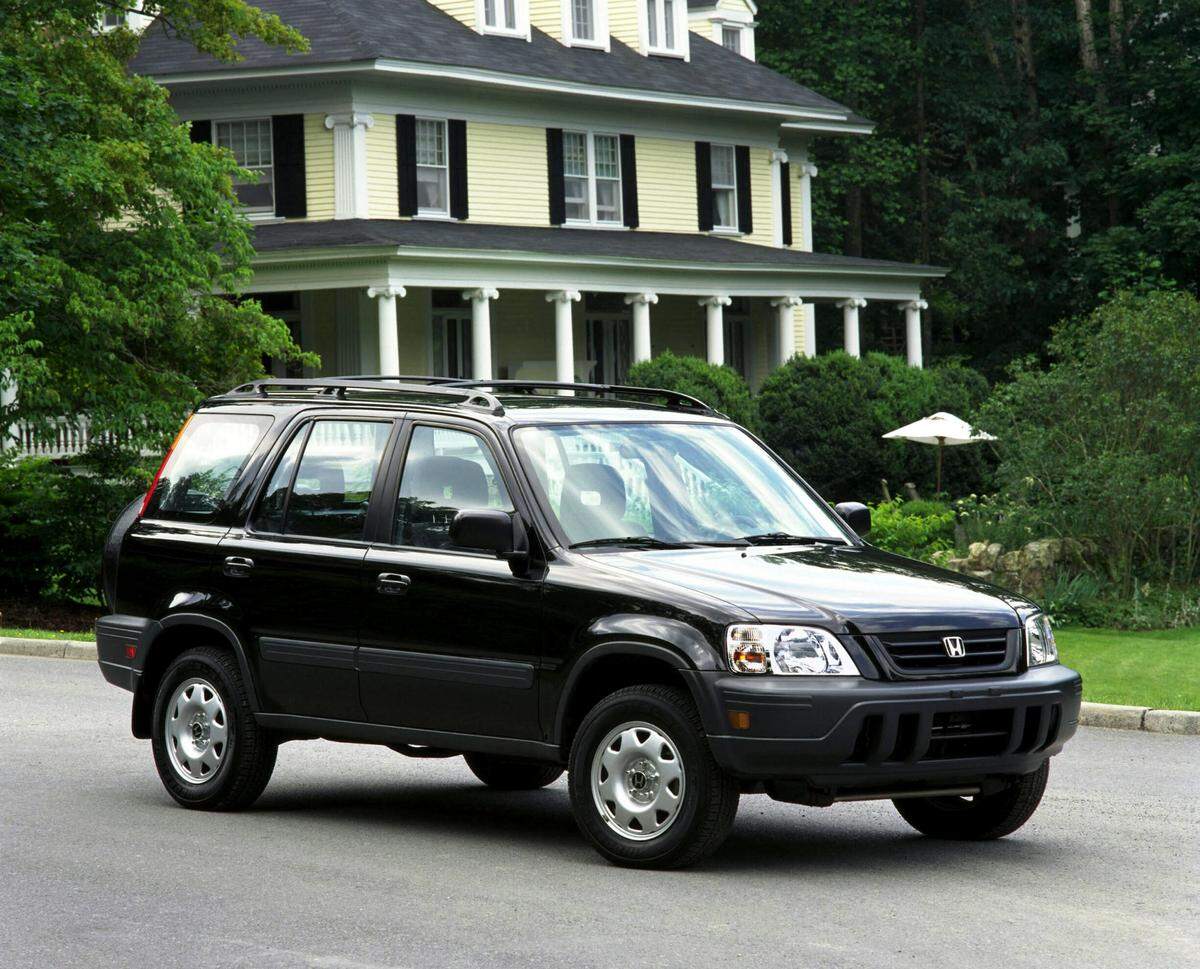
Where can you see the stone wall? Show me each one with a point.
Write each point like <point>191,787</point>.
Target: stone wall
<point>1025,570</point>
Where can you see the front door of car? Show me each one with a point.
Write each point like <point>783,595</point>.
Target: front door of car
<point>450,639</point>
<point>294,573</point>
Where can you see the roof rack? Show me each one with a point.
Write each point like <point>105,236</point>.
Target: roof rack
<point>337,388</point>
<point>675,399</point>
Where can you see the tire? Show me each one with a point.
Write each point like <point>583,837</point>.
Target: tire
<point>508,774</point>
<point>210,753</point>
<point>666,803</point>
<point>981,818</point>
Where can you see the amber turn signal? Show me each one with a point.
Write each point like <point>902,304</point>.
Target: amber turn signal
<point>739,719</point>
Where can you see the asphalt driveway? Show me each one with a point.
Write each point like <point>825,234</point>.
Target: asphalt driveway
<point>357,857</point>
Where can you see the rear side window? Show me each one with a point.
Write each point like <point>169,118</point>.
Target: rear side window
<point>323,483</point>
<point>206,460</point>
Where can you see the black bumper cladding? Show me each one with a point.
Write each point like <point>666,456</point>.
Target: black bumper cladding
<point>867,733</point>
<point>121,648</point>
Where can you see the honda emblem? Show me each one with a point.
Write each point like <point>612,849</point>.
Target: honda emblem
<point>955,647</point>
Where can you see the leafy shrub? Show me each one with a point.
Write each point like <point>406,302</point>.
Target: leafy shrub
<point>1103,443</point>
<point>993,518</point>
<point>719,387</point>
<point>1088,600</point>
<point>53,521</point>
<point>827,416</point>
<point>915,529</point>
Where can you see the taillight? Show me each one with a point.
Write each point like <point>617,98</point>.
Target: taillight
<point>162,467</point>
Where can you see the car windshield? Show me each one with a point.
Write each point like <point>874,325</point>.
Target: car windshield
<point>663,485</point>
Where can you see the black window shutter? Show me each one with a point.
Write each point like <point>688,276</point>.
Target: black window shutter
<point>287,147</point>
<point>457,139</point>
<point>704,192</point>
<point>629,188</point>
<point>744,216</point>
<point>201,131</point>
<point>785,200</point>
<point>406,162</point>
<point>554,167</point>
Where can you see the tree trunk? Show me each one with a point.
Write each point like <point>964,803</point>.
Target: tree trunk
<point>1026,66</point>
<point>989,45</point>
<point>1116,32</point>
<point>1090,61</point>
<point>922,147</point>
<point>854,220</point>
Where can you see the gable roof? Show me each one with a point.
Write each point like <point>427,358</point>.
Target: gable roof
<point>360,32</point>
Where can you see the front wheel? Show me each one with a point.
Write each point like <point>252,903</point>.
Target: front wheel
<point>645,789</point>
<point>979,818</point>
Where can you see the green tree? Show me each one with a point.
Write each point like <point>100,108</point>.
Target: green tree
<point>719,387</point>
<point>1103,442</point>
<point>118,235</point>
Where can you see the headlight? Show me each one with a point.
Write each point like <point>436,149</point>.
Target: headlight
<point>787,650</point>
<point>1040,647</point>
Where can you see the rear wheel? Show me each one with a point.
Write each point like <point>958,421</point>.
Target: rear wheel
<point>979,818</point>
<point>506,774</point>
<point>209,751</point>
<point>645,789</point>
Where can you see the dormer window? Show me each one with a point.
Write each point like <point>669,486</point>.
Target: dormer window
<point>731,38</point>
<point>666,29</point>
<point>585,23</point>
<point>250,142</point>
<point>507,17</point>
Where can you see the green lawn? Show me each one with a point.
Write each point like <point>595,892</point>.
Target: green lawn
<point>46,634</point>
<point>1145,669</point>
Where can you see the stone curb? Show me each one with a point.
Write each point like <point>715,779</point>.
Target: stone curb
<point>1139,718</point>
<point>54,648</point>
<point>1090,714</point>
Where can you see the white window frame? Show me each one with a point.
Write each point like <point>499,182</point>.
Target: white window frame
<point>601,40</point>
<point>518,29</point>
<point>726,229</point>
<point>424,213</point>
<point>262,211</point>
<point>739,32</point>
<point>680,25</point>
<point>591,220</point>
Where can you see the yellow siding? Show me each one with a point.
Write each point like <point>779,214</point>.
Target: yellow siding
<point>546,16</point>
<point>803,316</point>
<point>381,168</point>
<point>463,10</point>
<point>318,166</point>
<point>797,207</point>
<point>623,22</point>
<point>666,184</point>
<point>762,202</point>
<point>506,172</point>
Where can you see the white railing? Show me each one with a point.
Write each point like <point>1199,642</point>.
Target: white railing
<point>65,439</point>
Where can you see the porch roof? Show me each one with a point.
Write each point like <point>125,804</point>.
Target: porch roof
<point>652,249</point>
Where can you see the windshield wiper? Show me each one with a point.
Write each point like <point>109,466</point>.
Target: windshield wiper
<point>629,541</point>
<point>784,538</point>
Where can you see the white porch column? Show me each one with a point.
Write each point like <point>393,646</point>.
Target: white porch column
<point>389,339</point>
<point>808,171</point>
<point>778,159</point>
<point>481,330</point>
<point>714,317</point>
<point>785,328</point>
<point>350,199</point>
<point>564,334</point>
<point>641,303</point>
<point>912,330</point>
<point>8,397</point>
<point>850,332</point>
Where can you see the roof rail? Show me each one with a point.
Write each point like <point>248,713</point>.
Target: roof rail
<point>337,387</point>
<point>675,399</point>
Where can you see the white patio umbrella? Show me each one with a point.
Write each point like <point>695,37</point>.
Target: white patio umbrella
<point>941,429</point>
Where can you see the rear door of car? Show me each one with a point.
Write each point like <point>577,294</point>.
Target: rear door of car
<point>451,638</point>
<point>294,572</point>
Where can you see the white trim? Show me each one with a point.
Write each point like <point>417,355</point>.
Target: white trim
<point>521,29</point>
<point>601,41</point>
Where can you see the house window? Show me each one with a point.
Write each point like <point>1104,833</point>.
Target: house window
<point>113,19</point>
<point>503,16</point>
<point>592,177</point>
<point>662,32</point>
<point>433,171</point>
<point>731,39</point>
<point>250,142</point>
<point>583,20</point>
<point>724,187</point>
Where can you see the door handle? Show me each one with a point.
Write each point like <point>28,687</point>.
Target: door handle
<point>392,583</point>
<point>238,567</point>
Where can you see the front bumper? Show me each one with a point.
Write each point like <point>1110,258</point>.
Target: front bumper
<point>850,733</point>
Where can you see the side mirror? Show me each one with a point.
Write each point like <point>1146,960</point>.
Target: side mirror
<point>490,530</point>
<point>856,515</point>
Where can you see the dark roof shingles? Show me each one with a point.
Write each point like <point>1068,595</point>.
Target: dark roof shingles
<point>345,31</point>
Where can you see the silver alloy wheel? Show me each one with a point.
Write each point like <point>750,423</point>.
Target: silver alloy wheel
<point>196,731</point>
<point>637,781</point>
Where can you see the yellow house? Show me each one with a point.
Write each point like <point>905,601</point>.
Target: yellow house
<point>530,189</point>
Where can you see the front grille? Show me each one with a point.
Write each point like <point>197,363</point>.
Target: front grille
<point>925,653</point>
<point>915,737</point>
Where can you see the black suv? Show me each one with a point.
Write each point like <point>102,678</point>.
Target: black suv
<point>612,581</point>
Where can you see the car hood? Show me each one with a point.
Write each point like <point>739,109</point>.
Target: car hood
<point>873,590</point>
